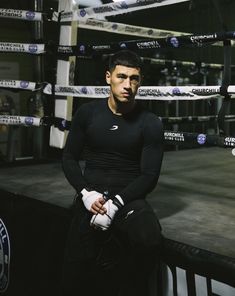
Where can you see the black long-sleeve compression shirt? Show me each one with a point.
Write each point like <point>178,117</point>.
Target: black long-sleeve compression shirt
<point>123,154</point>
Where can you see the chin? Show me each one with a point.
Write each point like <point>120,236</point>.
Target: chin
<point>126,99</point>
<point>122,100</point>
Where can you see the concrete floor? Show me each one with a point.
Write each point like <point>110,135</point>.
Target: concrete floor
<point>195,199</point>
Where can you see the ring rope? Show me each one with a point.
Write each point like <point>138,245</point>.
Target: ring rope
<point>112,9</point>
<point>83,50</point>
<point>28,15</point>
<point>81,14</point>
<point>169,136</point>
<point>125,29</point>
<point>21,14</point>
<point>199,139</point>
<point>161,93</point>
<point>37,121</point>
<point>31,48</point>
<point>175,42</point>
<point>165,93</point>
<point>20,120</point>
<point>19,84</point>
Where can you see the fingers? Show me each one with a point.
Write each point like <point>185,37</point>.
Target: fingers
<point>97,207</point>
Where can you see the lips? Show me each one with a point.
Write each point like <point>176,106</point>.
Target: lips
<point>126,94</point>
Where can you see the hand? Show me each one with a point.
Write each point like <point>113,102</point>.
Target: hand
<point>92,200</point>
<point>97,207</point>
<point>103,220</point>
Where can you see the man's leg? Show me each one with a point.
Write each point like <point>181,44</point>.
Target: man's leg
<point>139,230</point>
<point>79,253</point>
<point>85,272</point>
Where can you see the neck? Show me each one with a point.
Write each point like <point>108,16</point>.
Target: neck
<point>120,108</point>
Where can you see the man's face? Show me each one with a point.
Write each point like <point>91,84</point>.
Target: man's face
<point>124,82</point>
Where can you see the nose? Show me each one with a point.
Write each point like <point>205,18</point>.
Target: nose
<point>127,83</point>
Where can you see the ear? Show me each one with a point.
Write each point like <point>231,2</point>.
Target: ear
<point>108,76</point>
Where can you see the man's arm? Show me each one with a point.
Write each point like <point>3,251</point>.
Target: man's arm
<point>92,200</point>
<point>151,160</point>
<point>73,151</point>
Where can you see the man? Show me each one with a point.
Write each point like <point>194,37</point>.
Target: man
<point>114,237</point>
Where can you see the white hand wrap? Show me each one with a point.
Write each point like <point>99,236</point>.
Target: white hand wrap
<point>104,221</point>
<point>89,197</point>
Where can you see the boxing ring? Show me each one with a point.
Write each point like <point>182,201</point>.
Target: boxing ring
<point>194,201</point>
<point>194,198</point>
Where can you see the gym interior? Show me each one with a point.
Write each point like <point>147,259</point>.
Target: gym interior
<point>184,44</point>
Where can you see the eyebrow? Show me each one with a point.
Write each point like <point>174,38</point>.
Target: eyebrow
<point>134,76</point>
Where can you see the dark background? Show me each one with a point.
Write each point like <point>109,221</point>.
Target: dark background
<point>195,17</point>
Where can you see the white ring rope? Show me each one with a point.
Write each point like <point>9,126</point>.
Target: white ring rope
<point>116,8</point>
<point>20,14</point>
<point>22,47</point>
<point>98,12</point>
<point>19,84</point>
<point>20,120</point>
<point>125,29</point>
<point>165,93</point>
<point>161,93</point>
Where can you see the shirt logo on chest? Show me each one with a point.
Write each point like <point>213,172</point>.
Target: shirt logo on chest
<point>113,128</point>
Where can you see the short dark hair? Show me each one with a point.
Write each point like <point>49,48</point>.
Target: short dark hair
<point>126,58</point>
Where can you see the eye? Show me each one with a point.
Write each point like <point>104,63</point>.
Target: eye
<point>135,79</point>
<point>121,76</point>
